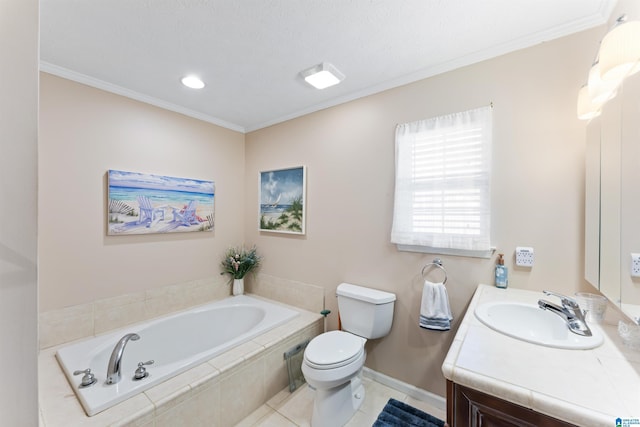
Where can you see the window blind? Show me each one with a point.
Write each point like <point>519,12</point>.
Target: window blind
<point>443,171</point>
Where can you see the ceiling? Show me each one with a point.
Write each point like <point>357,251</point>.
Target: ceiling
<point>250,52</point>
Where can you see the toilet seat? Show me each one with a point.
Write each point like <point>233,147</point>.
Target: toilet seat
<point>333,349</point>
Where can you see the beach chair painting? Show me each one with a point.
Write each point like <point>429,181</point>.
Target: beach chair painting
<point>141,203</point>
<point>148,214</point>
<point>187,216</point>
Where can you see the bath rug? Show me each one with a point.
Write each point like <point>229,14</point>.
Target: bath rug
<point>399,414</point>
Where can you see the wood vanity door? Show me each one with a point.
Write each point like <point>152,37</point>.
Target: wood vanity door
<point>470,408</point>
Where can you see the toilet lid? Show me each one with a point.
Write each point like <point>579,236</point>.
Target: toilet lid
<point>333,349</point>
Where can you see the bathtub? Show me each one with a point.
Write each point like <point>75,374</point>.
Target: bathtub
<point>175,343</point>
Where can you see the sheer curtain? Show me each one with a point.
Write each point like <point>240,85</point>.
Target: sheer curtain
<point>443,182</point>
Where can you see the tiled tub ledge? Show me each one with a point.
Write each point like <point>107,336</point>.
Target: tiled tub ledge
<point>219,392</point>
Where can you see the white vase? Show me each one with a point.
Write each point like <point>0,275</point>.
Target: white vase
<point>238,286</point>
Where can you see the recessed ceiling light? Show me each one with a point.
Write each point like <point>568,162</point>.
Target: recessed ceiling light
<point>193,82</point>
<point>322,76</point>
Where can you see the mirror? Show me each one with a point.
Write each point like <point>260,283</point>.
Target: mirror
<point>592,204</point>
<point>612,200</point>
<point>630,195</point>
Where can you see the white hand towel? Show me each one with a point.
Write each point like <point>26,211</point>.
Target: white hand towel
<point>435,312</point>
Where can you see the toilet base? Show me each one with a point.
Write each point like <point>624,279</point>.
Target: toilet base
<point>335,406</point>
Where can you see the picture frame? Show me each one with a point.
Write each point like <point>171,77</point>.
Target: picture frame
<point>142,203</point>
<point>282,200</point>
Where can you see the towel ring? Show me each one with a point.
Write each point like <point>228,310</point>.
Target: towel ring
<point>437,262</point>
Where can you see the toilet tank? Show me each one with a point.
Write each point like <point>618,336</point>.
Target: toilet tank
<point>364,311</point>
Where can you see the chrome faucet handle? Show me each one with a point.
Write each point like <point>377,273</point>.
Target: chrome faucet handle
<point>141,372</point>
<point>88,378</point>
<point>566,301</point>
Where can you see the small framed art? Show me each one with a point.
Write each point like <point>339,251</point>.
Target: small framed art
<point>282,204</point>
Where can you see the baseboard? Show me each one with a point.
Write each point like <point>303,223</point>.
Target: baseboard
<point>408,389</point>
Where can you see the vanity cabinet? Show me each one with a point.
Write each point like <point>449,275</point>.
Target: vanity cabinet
<point>471,408</point>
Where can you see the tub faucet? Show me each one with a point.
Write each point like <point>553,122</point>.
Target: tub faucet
<point>113,369</point>
<point>570,312</point>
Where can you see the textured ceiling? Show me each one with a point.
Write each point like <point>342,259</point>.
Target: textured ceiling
<point>249,52</point>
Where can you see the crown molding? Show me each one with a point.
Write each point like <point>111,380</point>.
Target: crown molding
<point>119,90</point>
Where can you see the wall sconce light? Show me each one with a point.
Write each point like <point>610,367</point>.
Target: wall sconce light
<point>322,76</point>
<point>618,58</point>
<point>620,50</point>
<point>600,91</point>
<point>587,109</point>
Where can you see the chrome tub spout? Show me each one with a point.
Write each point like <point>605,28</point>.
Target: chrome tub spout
<point>113,369</point>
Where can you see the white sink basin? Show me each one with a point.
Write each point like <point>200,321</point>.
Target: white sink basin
<point>530,323</point>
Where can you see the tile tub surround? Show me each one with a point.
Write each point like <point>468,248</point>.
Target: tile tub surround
<point>583,387</point>
<point>298,294</point>
<point>219,392</point>
<point>100,316</point>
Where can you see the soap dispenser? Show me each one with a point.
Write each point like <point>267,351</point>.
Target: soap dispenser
<point>502,273</point>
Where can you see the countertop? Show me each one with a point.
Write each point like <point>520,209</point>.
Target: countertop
<point>583,387</point>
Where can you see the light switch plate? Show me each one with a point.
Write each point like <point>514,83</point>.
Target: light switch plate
<point>524,256</point>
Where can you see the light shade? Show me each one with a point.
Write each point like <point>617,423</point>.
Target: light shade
<point>587,109</point>
<point>620,51</point>
<point>600,91</point>
<point>192,82</point>
<point>322,76</point>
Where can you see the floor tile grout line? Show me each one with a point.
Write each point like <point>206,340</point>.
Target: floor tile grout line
<point>383,390</point>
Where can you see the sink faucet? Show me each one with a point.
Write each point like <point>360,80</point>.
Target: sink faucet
<point>113,369</point>
<point>570,312</point>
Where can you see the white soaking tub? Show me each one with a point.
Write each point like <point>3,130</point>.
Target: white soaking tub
<point>175,343</point>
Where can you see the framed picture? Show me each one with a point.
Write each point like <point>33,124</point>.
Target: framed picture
<point>141,203</point>
<point>283,200</point>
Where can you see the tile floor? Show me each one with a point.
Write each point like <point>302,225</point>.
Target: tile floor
<point>294,410</point>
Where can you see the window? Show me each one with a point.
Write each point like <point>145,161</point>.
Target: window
<point>443,182</point>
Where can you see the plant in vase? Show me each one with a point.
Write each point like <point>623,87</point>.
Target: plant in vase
<point>237,262</point>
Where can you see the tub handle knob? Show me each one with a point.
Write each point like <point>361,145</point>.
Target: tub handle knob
<point>88,379</point>
<point>141,372</point>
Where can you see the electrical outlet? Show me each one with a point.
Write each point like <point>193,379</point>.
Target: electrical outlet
<point>635,265</point>
<point>524,256</point>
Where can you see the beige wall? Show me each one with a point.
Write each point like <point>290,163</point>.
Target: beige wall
<point>18,242</point>
<point>538,192</point>
<point>84,132</point>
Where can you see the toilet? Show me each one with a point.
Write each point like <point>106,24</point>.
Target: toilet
<point>333,361</point>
